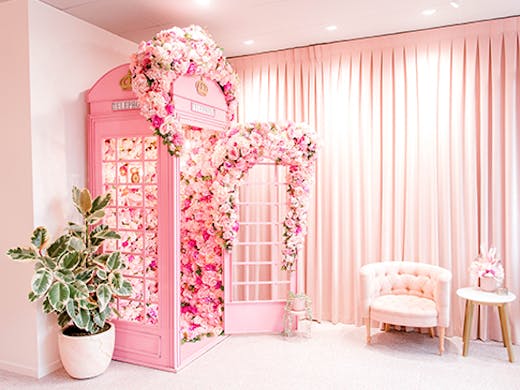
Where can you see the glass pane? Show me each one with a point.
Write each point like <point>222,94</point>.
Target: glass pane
<point>152,313</point>
<point>109,149</point>
<point>151,267</point>
<point>150,196</point>
<point>150,172</point>
<point>134,265</point>
<point>110,217</point>
<point>137,288</point>
<point>130,196</point>
<point>130,148</point>
<point>108,173</point>
<point>152,289</point>
<point>150,148</point>
<point>131,218</point>
<point>131,310</point>
<point>131,242</point>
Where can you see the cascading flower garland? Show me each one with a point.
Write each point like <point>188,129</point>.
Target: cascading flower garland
<point>159,62</point>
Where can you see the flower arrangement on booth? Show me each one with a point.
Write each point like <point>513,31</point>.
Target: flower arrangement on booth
<point>159,62</point>
<point>487,265</point>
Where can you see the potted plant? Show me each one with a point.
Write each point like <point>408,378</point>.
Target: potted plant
<point>78,282</point>
<point>487,267</point>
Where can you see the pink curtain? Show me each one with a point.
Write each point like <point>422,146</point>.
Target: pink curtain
<point>420,155</point>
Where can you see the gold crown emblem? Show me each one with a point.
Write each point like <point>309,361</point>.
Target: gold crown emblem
<point>202,88</point>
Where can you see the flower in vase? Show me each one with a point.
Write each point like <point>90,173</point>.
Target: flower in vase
<point>487,265</point>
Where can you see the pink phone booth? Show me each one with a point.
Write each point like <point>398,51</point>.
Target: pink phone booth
<point>127,160</point>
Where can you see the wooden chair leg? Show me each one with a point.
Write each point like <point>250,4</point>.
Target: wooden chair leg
<point>432,332</point>
<point>441,332</point>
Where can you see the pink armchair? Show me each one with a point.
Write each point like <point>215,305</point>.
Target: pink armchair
<point>406,293</point>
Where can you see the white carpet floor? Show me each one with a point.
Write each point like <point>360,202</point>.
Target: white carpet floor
<point>335,357</point>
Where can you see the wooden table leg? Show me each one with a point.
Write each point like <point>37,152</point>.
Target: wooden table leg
<point>468,319</point>
<point>504,323</point>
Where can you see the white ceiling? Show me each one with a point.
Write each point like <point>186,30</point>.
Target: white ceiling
<point>278,24</point>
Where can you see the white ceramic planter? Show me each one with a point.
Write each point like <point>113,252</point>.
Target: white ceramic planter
<point>87,356</point>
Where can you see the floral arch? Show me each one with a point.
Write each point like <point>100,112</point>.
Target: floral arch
<point>292,145</point>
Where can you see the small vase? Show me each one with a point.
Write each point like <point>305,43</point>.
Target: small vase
<point>488,284</point>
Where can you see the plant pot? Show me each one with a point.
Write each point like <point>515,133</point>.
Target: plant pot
<point>488,284</point>
<point>87,356</point>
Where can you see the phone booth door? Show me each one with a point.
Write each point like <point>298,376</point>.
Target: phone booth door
<point>126,160</point>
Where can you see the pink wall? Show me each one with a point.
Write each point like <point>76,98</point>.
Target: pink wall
<point>61,58</point>
<point>18,316</point>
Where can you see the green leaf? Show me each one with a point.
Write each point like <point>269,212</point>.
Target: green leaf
<point>76,244</point>
<point>101,233</point>
<point>101,260</point>
<point>70,260</point>
<point>101,202</point>
<point>63,319</point>
<point>74,227</point>
<point>41,281</point>
<point>75,197</point>
<point>32,297</point>
<point>104,295</point>
<point>39,237</point>
<point>49,262</point>
<point>99,318</point>
<point>64,275</point>
<point>114,261</point>
<point>95,217</point>
<point>79,316</point>
<point>59,246</point>
<point>84,275</point>
<point>22,253</point>
<point>82,319</point>
<point>101,274</point>
<point>119,285</point>
<point>47,307</point>
<point>58,295</point>
<point>87,304</point>
<point>78,290</point>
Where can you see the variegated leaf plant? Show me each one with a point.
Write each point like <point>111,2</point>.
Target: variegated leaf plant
<point>76,280</point>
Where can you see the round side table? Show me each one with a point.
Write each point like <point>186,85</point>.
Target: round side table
<point>476,296</point>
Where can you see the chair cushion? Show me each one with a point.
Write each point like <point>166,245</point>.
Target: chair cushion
<point>407,310</point>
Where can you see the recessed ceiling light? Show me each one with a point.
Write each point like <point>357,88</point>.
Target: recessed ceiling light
<point>249,42</point>
<point>203,3</point>
<point>429,12</point>
<point>454,4</point>
<point>331,28</point>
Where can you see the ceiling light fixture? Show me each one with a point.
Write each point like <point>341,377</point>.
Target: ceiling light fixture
<point>249,42</point>
<point>331,28</point>
<point>429,12</point>
<point>454,4</point>
<point>203,3</point>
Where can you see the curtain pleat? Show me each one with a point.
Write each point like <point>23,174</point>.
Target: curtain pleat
<point>419,157</point>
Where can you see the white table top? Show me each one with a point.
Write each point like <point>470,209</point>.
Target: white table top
<point>475,294</point>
